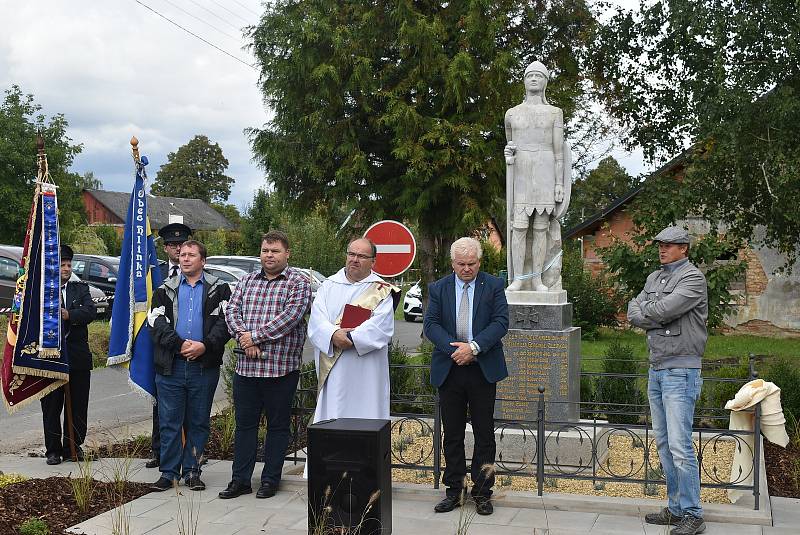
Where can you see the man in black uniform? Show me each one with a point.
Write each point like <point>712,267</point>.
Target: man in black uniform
<point>77,311</point>
<point>173,236</point>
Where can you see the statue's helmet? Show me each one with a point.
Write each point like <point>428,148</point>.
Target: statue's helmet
<point>537,66</point>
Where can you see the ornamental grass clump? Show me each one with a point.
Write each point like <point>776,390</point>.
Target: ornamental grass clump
<point>83,486</point>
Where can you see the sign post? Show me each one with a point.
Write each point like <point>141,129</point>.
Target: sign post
<point>396,247</point>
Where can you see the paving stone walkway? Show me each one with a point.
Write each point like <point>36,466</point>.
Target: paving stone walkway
<point>516,513</point>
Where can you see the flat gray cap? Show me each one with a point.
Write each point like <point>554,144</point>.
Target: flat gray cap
<point>672,235</point>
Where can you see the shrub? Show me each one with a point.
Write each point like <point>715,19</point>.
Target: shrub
<point>785,373</point>
<point>110,237</point>
<point>624,392</point>
<point>595,302</point>
<point>84,240</point>
<point>228,369</point>
<point>34,526</point>
<point>410,387</point>
<point>492,261</point>
<point>716,393</point>
<point>588,394</point>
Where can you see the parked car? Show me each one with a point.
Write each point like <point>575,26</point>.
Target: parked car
<point>316,279</point>
<point>412,303</point>
<point>229,274</point>
<point>10,260</point>
<point>252,263</point>
<point>101,271</point>
<point>247,263</point>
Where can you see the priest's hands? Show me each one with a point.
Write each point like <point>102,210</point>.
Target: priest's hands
<point>341,340</point>
<point>463,354</point>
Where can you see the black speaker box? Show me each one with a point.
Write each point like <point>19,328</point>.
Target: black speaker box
<point>349,461</point>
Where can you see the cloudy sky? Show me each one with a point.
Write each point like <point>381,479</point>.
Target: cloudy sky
<point>117,68</point>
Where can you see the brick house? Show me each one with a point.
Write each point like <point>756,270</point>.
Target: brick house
<point>111,208</point>
<point>768,301</point>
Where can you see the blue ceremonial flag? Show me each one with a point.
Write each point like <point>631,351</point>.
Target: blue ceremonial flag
<point>130,344</point>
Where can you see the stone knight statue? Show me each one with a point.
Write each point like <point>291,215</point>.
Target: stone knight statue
<point>538,185</point>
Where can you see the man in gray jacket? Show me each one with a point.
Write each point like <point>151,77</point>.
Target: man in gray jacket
<point>673,308</point>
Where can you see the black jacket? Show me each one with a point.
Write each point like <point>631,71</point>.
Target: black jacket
<point>164,309</point>
<point>163,267</point>
<point>82,312</point>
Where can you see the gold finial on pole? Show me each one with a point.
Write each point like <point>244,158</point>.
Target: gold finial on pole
<point>42,170</point>
<point>135,148</point>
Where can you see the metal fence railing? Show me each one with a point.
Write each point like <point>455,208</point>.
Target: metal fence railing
<point>549,449</point>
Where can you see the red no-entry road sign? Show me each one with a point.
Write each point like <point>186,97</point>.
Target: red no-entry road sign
<point>396,247</point>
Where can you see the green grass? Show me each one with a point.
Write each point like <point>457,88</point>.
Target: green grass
<point>719,346</point>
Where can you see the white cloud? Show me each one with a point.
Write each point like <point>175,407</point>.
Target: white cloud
<point>115,69</point>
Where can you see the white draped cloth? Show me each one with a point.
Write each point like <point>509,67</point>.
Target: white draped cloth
<point>772,427</point>
<point>358,384</point>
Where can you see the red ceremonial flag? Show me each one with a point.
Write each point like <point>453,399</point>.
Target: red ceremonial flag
<point>45,367</point>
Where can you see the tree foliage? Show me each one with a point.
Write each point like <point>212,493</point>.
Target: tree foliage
<point>601,186</point>
<point>230,212</point>
<point>195,171</point>
<point>725,76</point>
<point>397,107</point>
<point>660,204</point>
<point>20,118</point>
<point>313,240</point>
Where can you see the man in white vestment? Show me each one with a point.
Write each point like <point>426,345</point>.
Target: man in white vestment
<point>356,383</point>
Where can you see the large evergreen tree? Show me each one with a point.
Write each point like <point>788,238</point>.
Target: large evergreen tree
<point>20,119</point>
<point>195,171</point>
<point>397,107</point>
<point>723,75</point>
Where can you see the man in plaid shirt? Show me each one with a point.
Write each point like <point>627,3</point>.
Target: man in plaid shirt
<point>265,316</point>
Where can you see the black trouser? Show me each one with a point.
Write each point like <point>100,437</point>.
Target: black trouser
<point>465,387</point>
<point>53,405</point>
<point>253,396</point>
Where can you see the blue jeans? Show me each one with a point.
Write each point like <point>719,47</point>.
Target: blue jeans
<point>672,394</point>
<point>251,397</point>
<point>184,401</point>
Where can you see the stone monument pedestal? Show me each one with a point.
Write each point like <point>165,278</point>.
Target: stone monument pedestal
<point>542,348</point>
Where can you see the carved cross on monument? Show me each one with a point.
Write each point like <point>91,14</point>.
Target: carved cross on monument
<point>527,317</point>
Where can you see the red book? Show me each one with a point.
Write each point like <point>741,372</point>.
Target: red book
<point>353,316</point>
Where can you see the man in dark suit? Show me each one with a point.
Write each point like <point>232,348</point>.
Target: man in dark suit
<point>466,319</point>
<point>173,236</point>
<point>77,311</point>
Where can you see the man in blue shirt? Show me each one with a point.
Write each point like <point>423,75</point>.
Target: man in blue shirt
<point>187,324</point>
